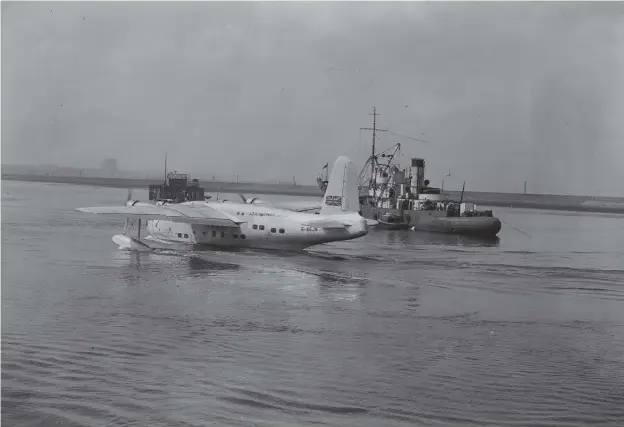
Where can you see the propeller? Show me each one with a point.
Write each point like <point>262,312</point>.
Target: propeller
<point>250,200</point>
<point>127,222</point>
<point>129,201</point>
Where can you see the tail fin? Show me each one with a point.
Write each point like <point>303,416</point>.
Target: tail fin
<point>342,194</point>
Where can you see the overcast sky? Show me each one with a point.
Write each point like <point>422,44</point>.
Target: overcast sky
<point>503,92</point>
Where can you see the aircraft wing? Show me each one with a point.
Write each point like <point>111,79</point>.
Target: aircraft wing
<point>177,213</point>
<point>299,206</point>
<point>327,223</point>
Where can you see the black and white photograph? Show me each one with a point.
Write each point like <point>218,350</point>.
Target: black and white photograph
<point>312,213</point>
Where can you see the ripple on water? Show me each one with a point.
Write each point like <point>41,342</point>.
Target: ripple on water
<point>393,329</point>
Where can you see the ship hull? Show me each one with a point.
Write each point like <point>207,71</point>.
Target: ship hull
<point>438,221</point>
<point>392,226</point>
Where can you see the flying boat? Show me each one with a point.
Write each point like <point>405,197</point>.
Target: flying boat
<point>251,224</point>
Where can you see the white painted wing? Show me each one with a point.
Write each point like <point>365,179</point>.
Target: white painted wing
<point>316,207</point>
<point>326,223</point>
<point>299,206</point>
<point>176,213</point>
<point>204,211</point>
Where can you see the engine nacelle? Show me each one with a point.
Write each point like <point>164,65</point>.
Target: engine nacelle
<point>252,200</point>
<point>255,201</point>
<point>137,203</point>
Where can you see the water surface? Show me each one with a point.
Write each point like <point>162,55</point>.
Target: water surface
<point>396,328</point>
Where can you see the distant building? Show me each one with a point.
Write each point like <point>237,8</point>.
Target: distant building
<point>109,167</point>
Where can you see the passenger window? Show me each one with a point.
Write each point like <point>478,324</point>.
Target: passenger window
<point>186,236</point>
<point>255,226</point>
<point>204,233</point>
<point>281,230</point>
<point>235,236</point>
<point>214,233</point>
<point>180,235</point>
<point>243,236</point>
<point>222,234</point>
<point>262,227</point>
<point>273,230</point>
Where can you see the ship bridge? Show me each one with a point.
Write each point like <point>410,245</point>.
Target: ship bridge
<point>177,187</point>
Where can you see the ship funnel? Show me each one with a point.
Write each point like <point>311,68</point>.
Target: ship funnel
<point>418,175</point>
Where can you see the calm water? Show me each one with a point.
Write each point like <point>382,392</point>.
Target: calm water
<point>396,328</point>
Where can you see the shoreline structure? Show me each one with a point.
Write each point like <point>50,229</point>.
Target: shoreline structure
<point>529,201</point>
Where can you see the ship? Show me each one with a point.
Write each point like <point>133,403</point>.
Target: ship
<point>401,198</point>
<point>176,188</point>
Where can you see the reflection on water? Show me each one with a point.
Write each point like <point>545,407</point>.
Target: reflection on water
<point>409,237</point>
<point>199,265</point>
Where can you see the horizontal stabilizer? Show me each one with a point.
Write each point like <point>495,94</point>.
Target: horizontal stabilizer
<point>327,223</point>
<point>304,207</point>
<point>177,213</point>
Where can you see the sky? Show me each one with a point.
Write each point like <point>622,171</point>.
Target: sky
<point>502,92</point>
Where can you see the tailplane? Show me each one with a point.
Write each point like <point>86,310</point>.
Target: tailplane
<point>342,193</point>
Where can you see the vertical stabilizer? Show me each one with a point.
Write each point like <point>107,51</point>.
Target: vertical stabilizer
<point>342,194</point>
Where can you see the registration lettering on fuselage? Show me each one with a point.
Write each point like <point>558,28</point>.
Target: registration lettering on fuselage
<point>307,228</point>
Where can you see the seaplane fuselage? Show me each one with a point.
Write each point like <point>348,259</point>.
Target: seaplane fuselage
<point>264,228</point>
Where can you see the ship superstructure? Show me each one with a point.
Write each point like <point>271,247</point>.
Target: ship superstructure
<point>393,187</point>
<point>401,197</point>
<point>176,188</point>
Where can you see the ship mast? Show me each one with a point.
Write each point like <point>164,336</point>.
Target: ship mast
<point>373,158</point>
<point>165,168</point>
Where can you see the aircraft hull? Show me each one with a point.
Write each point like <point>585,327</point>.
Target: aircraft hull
<point>294,236</point>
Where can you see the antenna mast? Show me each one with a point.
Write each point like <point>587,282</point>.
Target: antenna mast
<point>373,158</point>
<point>165,168</point>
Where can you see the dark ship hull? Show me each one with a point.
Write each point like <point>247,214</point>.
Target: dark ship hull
<point>439,221</point>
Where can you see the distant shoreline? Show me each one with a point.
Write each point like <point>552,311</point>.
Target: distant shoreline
<point>527,201</point>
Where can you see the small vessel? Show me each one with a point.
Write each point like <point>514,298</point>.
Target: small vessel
<point>391,221</point>
<point>400,198</point>
<point>176,188</point>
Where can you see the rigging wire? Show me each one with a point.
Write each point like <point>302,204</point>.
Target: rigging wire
<point>405,136</point>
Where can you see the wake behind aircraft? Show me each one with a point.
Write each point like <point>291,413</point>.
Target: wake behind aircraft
<point>246,225</point>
